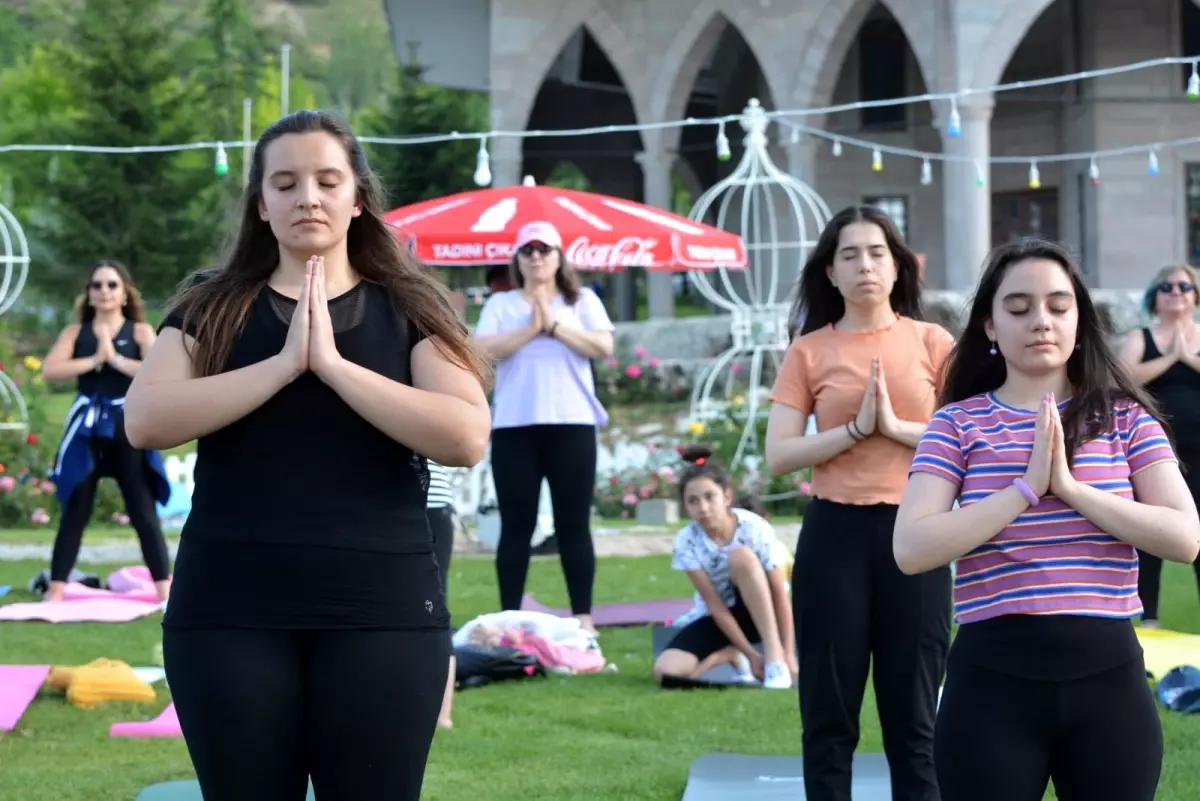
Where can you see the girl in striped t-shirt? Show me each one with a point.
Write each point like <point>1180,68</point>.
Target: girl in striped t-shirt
<point>1060,470</point>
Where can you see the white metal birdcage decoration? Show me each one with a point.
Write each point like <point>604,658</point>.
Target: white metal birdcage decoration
<point>14,258</point>
<point>779,218</point>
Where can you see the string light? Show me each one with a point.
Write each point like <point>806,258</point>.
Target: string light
<point>1193,84</point>
<point>221,164</point>
<point>980,175</point>
<point>837,148</point>
<point>1152,163</point>
<point>954,127</point>
<point>1094,172</point>
<point>926,173</point>
<point>483,165</point>
<point>723,151</point>
<point>876,161</point>
<point>1035,176</point>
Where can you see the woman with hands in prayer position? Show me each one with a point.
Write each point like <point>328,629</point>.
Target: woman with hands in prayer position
<point>307,633</point>
<point>545,412</point>
<point>1061,470</point>
<point>867,367</point>
<point>1165,360</point>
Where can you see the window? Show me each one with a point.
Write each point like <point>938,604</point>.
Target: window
<point>1192,203</point>
<point>882,58</point>
<point>895,207</point>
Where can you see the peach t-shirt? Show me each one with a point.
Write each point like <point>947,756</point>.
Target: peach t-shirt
<point>825,374</point>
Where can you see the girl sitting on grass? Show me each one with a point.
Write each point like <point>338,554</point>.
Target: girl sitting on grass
<point>728,553</point>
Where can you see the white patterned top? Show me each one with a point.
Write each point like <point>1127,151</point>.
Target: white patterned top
<point>694,550</point>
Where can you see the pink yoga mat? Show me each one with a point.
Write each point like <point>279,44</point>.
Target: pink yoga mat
<point>91,610</point>
<point>165,725</point>
<point>19,684</point>
<point>634,614</point>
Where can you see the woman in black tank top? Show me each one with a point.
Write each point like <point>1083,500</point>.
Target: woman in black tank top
<point>319,367</point>
<point>1165,359</point>
<point>103,352</point>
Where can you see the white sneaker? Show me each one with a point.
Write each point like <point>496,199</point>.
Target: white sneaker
<point>777,676</point>
<point>745,673</point>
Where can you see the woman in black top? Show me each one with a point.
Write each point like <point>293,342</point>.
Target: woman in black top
<point>103,352</point>
<point>1165,359</point>
<point>307,634</point>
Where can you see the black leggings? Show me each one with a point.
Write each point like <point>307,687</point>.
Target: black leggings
<point>120,460</point>
<point>852,605</point>
<point>564,455</point>
<point>1149,565</point>
<point>441,525</point>
<point>263,710</point>
<point>1003,738</point>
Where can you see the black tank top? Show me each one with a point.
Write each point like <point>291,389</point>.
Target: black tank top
<point>106,381</point>
<point>304,515</point>
<point>1177,391</point>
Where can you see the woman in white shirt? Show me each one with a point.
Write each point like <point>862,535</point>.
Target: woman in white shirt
<point>545,413</point>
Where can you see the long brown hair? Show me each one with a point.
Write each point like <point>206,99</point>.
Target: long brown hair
<point>566,280</point>
<point>134,308</point>
<point>217,301</point>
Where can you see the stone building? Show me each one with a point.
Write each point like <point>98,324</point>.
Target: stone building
<point>576,63</point>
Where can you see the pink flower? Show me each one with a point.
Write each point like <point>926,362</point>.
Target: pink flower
<point>7,483</point>
<point>47,486</point>
<point>611,363</point>
<point>651,449</point>
<point>646,491</point>
<point>630,500</point>
<point>120,519</point>
<point>40,517</point>
<point>640,352</point>
<point>653,362</point>
<point>633,371</point>
<point>737,368</point>
<point>805,488</point>
<point>666,474</point>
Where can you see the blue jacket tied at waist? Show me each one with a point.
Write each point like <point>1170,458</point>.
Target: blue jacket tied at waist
<point>96,417</point>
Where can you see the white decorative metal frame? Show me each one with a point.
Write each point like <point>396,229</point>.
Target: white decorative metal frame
<point>14,258</point>
<point>759,321</point>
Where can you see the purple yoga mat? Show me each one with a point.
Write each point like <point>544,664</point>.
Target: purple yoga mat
<point>18,686</point>
<point>636,614</point>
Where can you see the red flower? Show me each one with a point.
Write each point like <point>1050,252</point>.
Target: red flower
<point>32,439</point>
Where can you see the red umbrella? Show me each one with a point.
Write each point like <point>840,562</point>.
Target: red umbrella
<point>599,232</point>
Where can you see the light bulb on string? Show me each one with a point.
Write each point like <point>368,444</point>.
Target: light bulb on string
<point>837,148</point>
<point>795,136</point>
<point>1035,177</point>
<point>876,161</point>
<point>954,127</point>
<point>1094,172</point>
<point>980,176</point>
<point>1193,85</point>
<point>221,162</point>
<point>723,151</point>
<point>926,173</point>
<point>1152,163</point>
<point>483,165</point>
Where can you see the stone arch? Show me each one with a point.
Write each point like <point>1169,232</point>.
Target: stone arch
<point>525,80</point>
<point>824,54</point>
<point>689,48</point>
<point>1004,35</point>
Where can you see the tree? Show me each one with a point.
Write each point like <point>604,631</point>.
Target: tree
<point>154,211</point>
<point>361,61</point>
<point>412,173</point>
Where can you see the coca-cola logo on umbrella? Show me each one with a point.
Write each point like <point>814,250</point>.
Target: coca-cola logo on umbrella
<point>629,251</point>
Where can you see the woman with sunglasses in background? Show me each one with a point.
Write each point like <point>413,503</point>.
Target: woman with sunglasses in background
<point>102,352</point>
<point>1165,360</point>
<point>545,413</point>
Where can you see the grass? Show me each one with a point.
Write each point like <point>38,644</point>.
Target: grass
<point>609,736</point>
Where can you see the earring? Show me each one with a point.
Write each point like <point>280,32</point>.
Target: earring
<point>993,350</point>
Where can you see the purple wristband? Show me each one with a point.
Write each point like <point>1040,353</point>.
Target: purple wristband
<point>1026,490</point>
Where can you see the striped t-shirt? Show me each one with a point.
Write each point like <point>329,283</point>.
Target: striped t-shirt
<point>440,494</point>
<point>1051,559</point>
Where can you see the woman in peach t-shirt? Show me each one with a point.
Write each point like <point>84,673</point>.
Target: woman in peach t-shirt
<point>867,368</point>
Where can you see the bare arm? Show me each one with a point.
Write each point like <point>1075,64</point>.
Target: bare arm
<point>58,364</point>
<point>781,600</point>
<point>906,432</point>
<point>1131,356</point>
<point>592,344</point>
<point>789,450</point>
<point>931,533</point>
<point>1162,521</point>
<point>167,405</point>
<point>443,416</point>
<point>721,615</point>
<point>501,346</point>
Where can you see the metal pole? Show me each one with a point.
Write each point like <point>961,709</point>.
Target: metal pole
<point>285,66</point>
<point>247,135</point>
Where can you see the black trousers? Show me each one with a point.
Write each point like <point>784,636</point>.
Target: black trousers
<point>853,607</point>
<point>263,710</point>
<point>565,456</point>
<point>120,460</point>
<point>1149,565</point>
<point>1003,738</point>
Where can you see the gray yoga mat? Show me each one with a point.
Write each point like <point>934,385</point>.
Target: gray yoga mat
<point>720,676</point>
<point>182,791</point>
<point>719,777</point>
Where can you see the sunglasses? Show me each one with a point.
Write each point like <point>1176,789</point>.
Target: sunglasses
<point>98,285</point>
<point>534,247</point>
<point>1184,287</point>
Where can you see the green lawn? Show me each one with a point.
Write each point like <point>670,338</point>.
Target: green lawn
<point>610,736</point>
